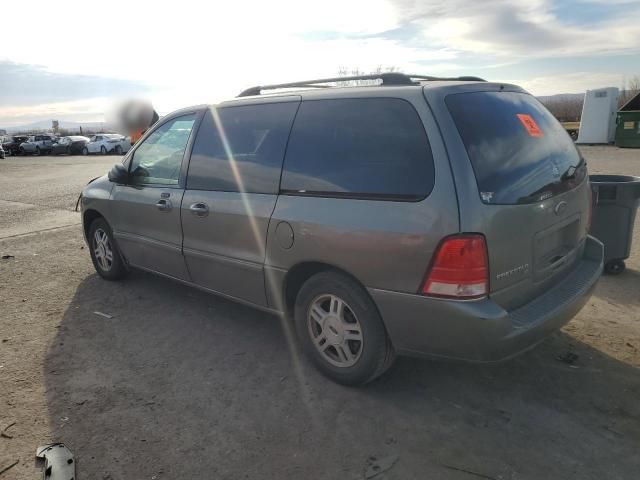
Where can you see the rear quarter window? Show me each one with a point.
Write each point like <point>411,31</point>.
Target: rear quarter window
<point>519,152</point>
<point>364,148</point>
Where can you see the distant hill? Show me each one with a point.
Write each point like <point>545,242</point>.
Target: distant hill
<point>62,124</point>
<point>561,97</point>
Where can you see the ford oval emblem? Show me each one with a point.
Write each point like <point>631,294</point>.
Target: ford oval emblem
<point>560,207</point>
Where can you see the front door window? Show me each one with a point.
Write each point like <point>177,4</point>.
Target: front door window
<point>158,159</point>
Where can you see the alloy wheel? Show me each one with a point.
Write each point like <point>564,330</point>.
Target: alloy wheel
<point>102,249</point>
<point>335,331</point>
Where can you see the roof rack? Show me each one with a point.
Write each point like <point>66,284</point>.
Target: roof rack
<point>390,78</point>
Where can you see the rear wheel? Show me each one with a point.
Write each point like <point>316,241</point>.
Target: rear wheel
<point>614,267</point>
<point>105,255</point>
<point>118,150</point>
<point>340,329</point>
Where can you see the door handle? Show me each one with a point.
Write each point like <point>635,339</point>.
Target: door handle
<point>199,209</point>
<point>164,205</point>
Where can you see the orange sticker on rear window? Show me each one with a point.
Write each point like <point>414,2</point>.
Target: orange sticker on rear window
<point>530,124</point>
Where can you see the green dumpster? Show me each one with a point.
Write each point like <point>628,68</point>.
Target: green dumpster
<point>628,124</point>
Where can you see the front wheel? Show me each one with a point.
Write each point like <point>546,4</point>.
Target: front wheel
<point>105,255</point>
<point>85,151</point>
<point>341,330</point>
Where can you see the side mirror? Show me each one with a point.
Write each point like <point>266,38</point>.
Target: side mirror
<point>119,174</point>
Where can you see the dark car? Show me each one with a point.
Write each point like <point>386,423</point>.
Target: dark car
<point>72,145</point>
<point>1,152</point>
<point>12,145</point>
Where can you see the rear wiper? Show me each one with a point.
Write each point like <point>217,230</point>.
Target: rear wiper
<point>570,173</point>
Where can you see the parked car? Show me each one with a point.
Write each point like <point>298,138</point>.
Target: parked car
<point>1,152</point>
<point>11,144</point>
<point>37,144</point>
<point>72,145</point>
<point>107,143</point>
<point>416,217</point>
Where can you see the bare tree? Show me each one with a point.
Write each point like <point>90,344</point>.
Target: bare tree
<point>630,88</point>
<point>565,109</point>
<point>354,72</point>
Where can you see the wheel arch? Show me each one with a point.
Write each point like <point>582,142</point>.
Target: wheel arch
<point>303,271</point>
<point>88,217</point>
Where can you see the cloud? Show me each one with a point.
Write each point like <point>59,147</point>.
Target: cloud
<point>519,28</point>
<point>204,52</point>
<point>576,82</point>
<point>24,84</point>
<point>87,110</point>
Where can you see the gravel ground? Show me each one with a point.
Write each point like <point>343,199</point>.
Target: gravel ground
<point>181,384</point>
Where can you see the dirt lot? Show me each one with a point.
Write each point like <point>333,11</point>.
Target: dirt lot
<point>183,385</point>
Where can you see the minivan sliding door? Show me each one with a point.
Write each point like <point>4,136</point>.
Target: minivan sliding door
<point>232,187</point>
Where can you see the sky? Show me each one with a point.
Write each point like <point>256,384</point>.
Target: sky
<point>75,59</point>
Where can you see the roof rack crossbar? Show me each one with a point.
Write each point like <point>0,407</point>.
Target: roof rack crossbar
<point>389,78</point>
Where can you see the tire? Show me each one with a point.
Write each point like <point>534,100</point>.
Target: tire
<point>85,151</point>
<point>614,267</point>
<point>118,150</point>
<point>101,242</point>
<point>21,151</point>
<point>369,356</point>
<point>103,150</point>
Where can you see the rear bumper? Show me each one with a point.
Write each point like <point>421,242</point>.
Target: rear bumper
<point>482,330</point>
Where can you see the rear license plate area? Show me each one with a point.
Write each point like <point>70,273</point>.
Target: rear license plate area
<point>555,248</point>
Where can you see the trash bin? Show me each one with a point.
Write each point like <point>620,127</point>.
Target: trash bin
<point>616,199</point>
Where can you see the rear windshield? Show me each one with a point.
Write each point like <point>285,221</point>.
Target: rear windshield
<point>520,153</point>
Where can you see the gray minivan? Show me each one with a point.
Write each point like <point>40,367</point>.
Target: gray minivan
<point>414,216</point>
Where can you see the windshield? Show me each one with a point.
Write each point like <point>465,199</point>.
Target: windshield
<point>519,151</point>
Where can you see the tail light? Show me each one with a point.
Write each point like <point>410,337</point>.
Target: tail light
<point>459,269</point>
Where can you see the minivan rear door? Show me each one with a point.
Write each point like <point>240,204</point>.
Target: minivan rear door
<point>532,197</point>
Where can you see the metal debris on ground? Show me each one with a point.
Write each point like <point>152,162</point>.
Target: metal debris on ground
<point>569,358</point>
<point>7,257</point>
<point>59,463</point>
<point>470,472</point>
<point>11,465</point>
<point>3,432</point>
<point>379,465</point>
<point>105,315</point>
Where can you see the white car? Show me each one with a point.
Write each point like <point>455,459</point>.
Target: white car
<point>107,143</point>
